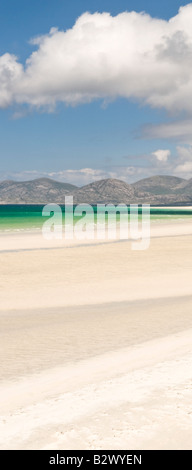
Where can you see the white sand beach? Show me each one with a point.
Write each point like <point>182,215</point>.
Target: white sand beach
<point>96,342</point>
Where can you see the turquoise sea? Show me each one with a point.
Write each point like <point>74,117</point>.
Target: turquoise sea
<point>29,217</point>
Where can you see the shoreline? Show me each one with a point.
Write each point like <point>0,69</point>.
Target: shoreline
<point>33,239</point>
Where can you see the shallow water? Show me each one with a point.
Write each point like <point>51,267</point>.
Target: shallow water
<point>29,217</point>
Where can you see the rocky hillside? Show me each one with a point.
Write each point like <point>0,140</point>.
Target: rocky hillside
<point>153,190</point>
<point>40,190</point>
<point>105,191</point>
<point>159,185</point>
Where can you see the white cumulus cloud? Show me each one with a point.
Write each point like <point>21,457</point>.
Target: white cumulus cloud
<point>161,155</point>
<point>131,55</point>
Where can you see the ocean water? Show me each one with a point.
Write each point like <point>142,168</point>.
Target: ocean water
<point>29,217</point>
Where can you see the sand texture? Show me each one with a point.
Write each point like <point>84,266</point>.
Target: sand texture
<point>96,343</point>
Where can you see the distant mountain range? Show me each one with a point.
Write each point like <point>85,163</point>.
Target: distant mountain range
<point>154,190</point>
<point>41,190</point>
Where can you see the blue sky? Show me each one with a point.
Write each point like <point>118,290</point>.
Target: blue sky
<point>116,134</point>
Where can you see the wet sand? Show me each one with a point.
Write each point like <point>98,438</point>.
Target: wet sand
<point>39,339</point>
<point>96,344</point>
